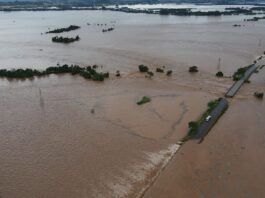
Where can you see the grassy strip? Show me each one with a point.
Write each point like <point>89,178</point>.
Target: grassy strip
<point>144,100</point>
<point>60,30</point>
<point>86,72</point>
<point>194,125</point>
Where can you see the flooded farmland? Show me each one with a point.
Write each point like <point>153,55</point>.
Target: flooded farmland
<point>64,136</point>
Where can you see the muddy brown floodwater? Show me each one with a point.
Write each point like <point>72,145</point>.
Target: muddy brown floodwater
<point>64,136</point>
<point>229,162</point>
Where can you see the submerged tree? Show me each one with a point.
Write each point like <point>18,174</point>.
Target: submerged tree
<point>193,69</point>
<point>143,68</point>
<point>219,74</point>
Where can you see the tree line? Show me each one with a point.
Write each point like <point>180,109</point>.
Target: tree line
<point>60,39</point>
<point>61,30</point>
<point>89,72</point>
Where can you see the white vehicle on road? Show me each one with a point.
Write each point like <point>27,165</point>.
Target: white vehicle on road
<point>208,118</point>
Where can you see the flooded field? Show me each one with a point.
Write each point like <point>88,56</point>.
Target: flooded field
<point>137,38</point>
<point>229,163</point>
<point>64,136</point>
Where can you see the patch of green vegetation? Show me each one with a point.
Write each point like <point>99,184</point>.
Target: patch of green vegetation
<point>193,69</point>
<point>143,68</point>
<point>108,29</point>
<point>219,74</point>
<point>255,19</point>
<point>65,40</point>
<point>240,73</point>
<point>159,70</point>
<point>95,66</point>
<point>144,100</point>
<point>150,74</point>
<point>193,125</point>
<point>259,95</point>
<point>20,73</point>
<point>169,72</point>
<point>98,77</point>
<point>118,74</point>
<point>86,72</point>
<point>60,30</point>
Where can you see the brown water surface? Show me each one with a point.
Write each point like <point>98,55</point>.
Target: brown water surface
<point>64,136</point>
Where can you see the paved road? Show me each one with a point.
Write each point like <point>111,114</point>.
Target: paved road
<point>205,127</point>
<point>236,86</point>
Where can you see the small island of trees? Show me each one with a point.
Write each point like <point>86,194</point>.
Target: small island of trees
<point>144,100</point>
<point>159,70</point>
<point>258,95</point>
<point>255,19</point>
<point>67,29</point>
<point>108,29</point>
<point>219,74</point>
<point>193,69</point>
<point>143,68</point>
<point>66,40</point>
<point>169,72</point>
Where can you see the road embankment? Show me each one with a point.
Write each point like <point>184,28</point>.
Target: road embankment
<point>236,86</point>
<point>215,114</point>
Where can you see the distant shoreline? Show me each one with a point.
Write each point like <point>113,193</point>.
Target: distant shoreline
<point>177,11</point>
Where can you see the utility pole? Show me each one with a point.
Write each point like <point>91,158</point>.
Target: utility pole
<point>219,64</point>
